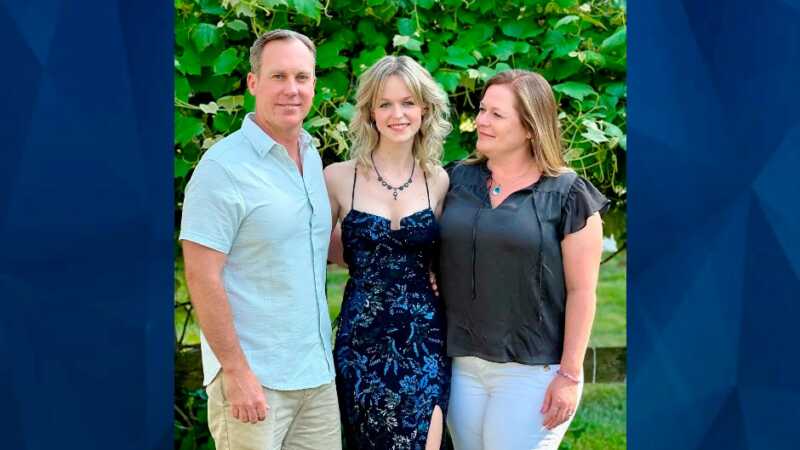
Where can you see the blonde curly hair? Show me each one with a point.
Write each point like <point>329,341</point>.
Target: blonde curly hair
<point>427,146</point>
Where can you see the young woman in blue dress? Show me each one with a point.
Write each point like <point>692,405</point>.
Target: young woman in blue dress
<point>392,372</point>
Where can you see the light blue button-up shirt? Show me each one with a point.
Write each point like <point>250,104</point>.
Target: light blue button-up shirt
<point>248,200</point>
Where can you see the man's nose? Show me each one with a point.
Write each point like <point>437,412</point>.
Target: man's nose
<point>291,87</point>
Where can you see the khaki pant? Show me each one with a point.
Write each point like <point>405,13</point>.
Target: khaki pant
<point>305,419</point>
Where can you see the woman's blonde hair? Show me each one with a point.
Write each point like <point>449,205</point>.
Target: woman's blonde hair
<point>427,146</point>
<point>538,113</point>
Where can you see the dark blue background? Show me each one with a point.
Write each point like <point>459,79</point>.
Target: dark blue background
<point>86,212</point>
<point>714,224</point>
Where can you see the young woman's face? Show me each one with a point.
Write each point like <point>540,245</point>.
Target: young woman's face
<point>499,125</point>
<point>397,115</point>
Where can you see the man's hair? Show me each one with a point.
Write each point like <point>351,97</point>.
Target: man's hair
<point>276,35</point>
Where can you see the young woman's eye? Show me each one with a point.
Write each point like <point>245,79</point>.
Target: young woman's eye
<point>497,115</point>
<point>408,103</point>
<point>481,109</point>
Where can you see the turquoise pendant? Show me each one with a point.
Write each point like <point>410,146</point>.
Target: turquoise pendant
<point>496,191</point>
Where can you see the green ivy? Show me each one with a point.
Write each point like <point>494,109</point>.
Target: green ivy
<point>579,47</point>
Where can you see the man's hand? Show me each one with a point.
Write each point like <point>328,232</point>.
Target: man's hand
<point>245,395</point>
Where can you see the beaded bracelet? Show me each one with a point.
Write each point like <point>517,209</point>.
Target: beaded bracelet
<point>572,378</point>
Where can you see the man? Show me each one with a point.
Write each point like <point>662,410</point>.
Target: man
<point>255,231</point>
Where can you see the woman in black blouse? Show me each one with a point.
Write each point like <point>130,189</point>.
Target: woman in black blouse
<point>521,244</point>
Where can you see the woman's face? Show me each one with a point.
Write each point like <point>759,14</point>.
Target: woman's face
<point>500,130</point>
<point>397,115</point>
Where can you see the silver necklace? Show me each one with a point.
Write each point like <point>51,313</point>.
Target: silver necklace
<point>497,188</point>
<point>395,189</point>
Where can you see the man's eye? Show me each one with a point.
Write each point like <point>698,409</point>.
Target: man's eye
<point>277,76</point>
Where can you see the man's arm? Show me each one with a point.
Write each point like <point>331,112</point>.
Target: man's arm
<point>204,278</point>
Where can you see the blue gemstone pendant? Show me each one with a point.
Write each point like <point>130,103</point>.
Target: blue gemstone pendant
<point>496,191</point>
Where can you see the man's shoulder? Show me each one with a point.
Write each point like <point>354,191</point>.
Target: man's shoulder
<point>230,150</point>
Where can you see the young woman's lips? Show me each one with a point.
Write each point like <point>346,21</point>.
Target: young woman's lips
<point>398,127</point>
<point>480,133</point>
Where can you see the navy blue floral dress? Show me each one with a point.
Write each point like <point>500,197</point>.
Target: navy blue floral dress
<point>390,354</point>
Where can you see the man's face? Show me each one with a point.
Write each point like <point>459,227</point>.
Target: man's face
<point>284,86</point>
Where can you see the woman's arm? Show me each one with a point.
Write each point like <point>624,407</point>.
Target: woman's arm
<point>334,176</point>
<point>581,252</point>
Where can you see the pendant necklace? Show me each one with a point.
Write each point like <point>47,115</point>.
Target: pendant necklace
<point>497,188</point>
<point>382,181</point>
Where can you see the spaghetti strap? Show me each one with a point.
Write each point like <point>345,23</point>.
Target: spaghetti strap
<point>427,191</point>
<point>353,194</point>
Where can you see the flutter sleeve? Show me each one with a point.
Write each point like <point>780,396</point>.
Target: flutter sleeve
<point>583,200</point>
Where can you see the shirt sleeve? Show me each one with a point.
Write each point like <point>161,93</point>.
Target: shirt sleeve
<point>213,208</point>
<point>583,200</point>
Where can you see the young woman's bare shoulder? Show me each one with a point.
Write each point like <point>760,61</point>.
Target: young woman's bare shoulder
<point>337,173</point>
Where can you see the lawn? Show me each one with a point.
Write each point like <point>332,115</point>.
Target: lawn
<point>600,421</point>
<point>609,322</point>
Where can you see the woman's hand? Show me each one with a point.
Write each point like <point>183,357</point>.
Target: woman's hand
<point>560,401</point>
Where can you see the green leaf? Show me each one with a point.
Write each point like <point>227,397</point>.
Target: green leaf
<point>335,82</point>
<point>211,7</point>
<point>346,111</point>
<point>204,35</point>
<point>237,25</point>
<point>366,29</point>
<point>501,67</point>
<point>182,89</point>
<point>308,8</point>
<point>406,27</point>
<point>187,128</point>
<point>521,29</point>
<point>458,56</point>
<point>226,62</point>
<point>474,37</point>
<point>574,89</point>
<point>448,80</point>
<point>566,20</point>
<point>593,133</point>
<point>222,121</point>
<point>367,58</point>
<point>231,102</point>
<point>424,4</point>
<point>316,122</point>
<point>504,49</point>
<point>249,102</point>
<point>181,168</point>
<point>615,40</point>
<point>406,42</point>
<point>560,44</point>
<point>188,63</point>
<point>328,55</point>
<point>617,89</point>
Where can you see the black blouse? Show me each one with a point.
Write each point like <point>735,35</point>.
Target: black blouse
<point>501,273</point>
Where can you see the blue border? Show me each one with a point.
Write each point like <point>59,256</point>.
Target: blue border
<point>714,224</point>
<point>86,214</point>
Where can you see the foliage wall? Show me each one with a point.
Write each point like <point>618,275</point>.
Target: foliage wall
<point>579,47</point>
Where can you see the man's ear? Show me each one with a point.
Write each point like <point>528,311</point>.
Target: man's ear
<point>252,81</point>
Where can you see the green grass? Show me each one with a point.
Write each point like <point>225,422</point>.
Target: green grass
<point>610,319</point>
<point>609,322</point>
<point>600,421</point>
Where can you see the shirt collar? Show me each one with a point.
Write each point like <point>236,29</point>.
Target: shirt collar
<point>262,142</point>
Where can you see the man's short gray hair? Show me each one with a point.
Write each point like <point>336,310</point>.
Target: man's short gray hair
<point>276,35</point>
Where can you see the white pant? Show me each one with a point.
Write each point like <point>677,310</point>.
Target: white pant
<point>495,406</point>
